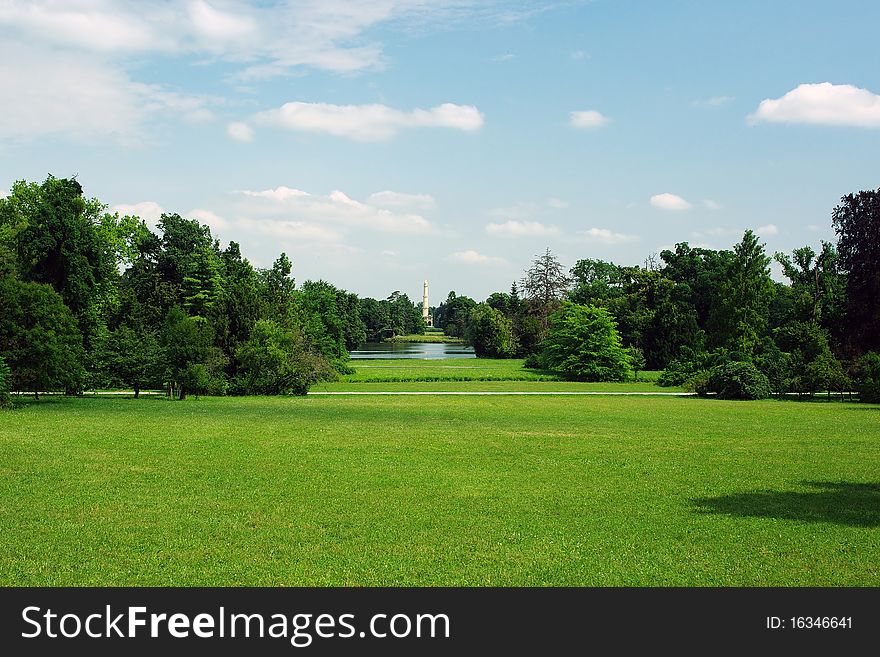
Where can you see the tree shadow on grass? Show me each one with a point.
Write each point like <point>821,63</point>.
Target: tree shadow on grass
<point>838,502</point>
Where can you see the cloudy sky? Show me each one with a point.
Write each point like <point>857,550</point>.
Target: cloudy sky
<point>381,142</point>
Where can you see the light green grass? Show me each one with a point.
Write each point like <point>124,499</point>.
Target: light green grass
<point>439,491</point>
<point>482,385</point>
<point>427,337</point>
<point>454,370</point>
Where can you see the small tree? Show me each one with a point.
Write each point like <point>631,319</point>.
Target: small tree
<point>490,333</point>
<point>584,344</point>
<point>637,358</point>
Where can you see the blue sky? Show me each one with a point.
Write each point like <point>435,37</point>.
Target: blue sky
<point>381,143</point>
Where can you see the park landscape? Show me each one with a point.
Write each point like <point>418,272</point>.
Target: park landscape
<point>650,357</point>
<point>181,453</point>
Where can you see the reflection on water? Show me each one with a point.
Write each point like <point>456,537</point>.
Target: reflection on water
<point>423,350</point>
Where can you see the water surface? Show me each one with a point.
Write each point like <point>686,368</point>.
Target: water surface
<point>422,350</point>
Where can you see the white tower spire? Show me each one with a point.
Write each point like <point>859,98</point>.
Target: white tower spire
<point>428,319</point>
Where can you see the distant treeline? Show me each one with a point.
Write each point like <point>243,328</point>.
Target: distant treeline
<point>92,300</point>
<point>702,315</point>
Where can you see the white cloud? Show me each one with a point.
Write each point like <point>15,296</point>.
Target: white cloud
<point>240,131</point>
<point>389,199</point>
<point>712,205</point>
<point>506,57</point>
<point>812,228</point>
<point>81,97</point>
<point>262,39</point>
<point>215,221</point>
<point>471,257</point>
<point>335,208</point>
<point>667,201</point>
<point>608,237</point>
<point>521,229</point>
<point>368,122</point>
<point>822,104</point>
<point>579,55</point>
<point>301,231</point>
<point>558,204</point>
<point>149,211</point>
<point>281,193</point>
<point>588,119</point>
<point>767,231</point>
<point>389,253</point>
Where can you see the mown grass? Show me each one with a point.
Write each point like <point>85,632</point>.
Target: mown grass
<point>439,491</point>
<point>411,370</point>
<point>427,337</point>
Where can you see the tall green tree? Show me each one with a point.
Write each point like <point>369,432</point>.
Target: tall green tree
<point>320,320</point>
<point>545,285</point>
<point>856,221</point>
<point>452,315</point>
<point>817,290</point>
<point>739,322</point>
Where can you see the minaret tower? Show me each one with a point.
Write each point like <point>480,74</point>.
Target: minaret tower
<point>429,320</point>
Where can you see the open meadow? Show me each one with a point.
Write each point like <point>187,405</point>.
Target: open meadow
<point>502,490</point>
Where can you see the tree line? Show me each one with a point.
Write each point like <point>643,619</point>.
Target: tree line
<point>93,300</point>
<point>712,320</point>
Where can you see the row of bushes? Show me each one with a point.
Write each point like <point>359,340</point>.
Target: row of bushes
<point>732,377</point>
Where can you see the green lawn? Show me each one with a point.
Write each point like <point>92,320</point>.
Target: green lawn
<point>475,374</point>
<point>439,490</point>
<point>427,337</point>
<point>450,369</point>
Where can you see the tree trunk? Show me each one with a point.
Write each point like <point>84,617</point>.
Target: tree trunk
<point>36,395</point>
<point>182,393</point>
<point>136,392</point>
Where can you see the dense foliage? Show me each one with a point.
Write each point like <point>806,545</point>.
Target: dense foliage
<point>583,343</point>
<point>89,299</point>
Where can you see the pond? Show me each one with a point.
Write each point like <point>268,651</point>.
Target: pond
<point>421,350</point>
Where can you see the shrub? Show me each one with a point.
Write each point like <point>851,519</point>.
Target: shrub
<point>698,383</point>
<point>682,371</point>
<point>583,343</point>
<point>276,361</point>
<point>738,380</point>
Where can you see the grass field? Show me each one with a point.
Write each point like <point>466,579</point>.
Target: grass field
<point>470,374</point>
<point>439,491</point>
<point>451,369</point>
<point>435,337</point>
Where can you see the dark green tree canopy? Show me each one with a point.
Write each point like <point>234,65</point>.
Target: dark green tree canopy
<point>857,224</point>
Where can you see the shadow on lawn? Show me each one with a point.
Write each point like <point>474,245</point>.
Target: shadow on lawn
<point>839,502</point>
